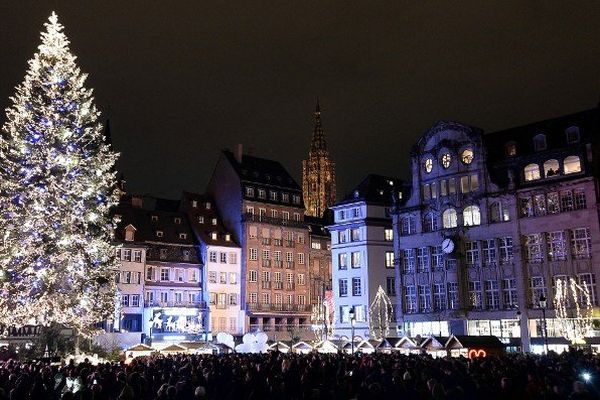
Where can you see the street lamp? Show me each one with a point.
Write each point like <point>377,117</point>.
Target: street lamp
<point>352,323</point>
<point>519,317</point>
<point>543,304</point>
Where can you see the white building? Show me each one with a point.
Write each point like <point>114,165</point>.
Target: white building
<point>362,253</point>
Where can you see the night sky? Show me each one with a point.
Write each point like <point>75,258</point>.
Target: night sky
<point>182,80</point>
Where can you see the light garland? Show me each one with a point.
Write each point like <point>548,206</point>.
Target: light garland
<point>380,313</point>
<point>56,190</point>
<point>575,298</point>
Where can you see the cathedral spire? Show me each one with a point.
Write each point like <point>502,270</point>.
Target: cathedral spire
<point>318,139</point>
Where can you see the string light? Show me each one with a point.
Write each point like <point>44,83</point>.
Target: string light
<point>380,313</point>
<point>574,298</point>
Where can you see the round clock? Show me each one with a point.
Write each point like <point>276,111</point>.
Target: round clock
<point>447,246</point>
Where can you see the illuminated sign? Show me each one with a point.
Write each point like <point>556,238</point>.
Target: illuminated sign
<point>475,353</point>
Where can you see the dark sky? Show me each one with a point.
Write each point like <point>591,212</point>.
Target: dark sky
<point>185,79</point>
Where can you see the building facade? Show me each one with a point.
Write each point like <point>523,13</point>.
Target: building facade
<point>362,251</point>
<point>491,223</point>
<point>221,257</point>
<point>261,205</point>
<point>318,173</point>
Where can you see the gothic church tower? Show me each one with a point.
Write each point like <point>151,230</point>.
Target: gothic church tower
<point>318,173</point>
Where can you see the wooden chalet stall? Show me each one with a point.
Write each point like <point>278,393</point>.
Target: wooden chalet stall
<point>279,346</point>
<point>474,346</point>
<point>435,346</point>
<point>407,346</point>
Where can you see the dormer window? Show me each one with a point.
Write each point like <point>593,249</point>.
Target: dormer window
<point>163,254</point>
<point>213,235</point>
<point>249,191</point>
<point>154,218</point>
<point>273,195</point>
<point>262,194</point>
<point>178,220</point>
<point>194,203</point>
<point>539,142</point>
<point>207,205</point>
<point>227,237</point>
<point>572,134</point>
<point>129,233</point>
<point>285,197</point>
<point>268,177</point>
<point>159,234</point>
<point>214,221</point>
<point>296,199</point>
<point>511,149</point>
<point>183,236</point>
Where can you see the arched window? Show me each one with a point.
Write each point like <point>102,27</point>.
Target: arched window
<point>471,216</point>
<point>430,223</point>
<point>572,134</point>
<point>572,164</point>
<point>532,172</point>
<point>539,142</point>
<point>449,218</point>
<point>551,168</point>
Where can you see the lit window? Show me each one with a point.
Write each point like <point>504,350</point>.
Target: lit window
<point>572,164</point>
<point>200,219</point>
<point>177,220</point>
<point>207,205</point>
<point>446,160</point>
<point>471,216</point>
<point>467,156</point>
<point>539,142</point>
<point>388,234</point>
<point>213,235</point>
<point>183,236</point>
<point>159,234</point>
<point>532,172</point>
<point>551,168</point>
<point>428,165</point>
<point>194,204</point>
<point>249,191</point>
<point>449,218</point>
<point>498,213</point>
<point>430,222</point>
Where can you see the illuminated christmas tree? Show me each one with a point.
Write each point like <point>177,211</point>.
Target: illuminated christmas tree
<point>56,189</point>
<point>380,314</point>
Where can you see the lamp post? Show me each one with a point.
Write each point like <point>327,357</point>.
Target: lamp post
<point>543,304</point>
<point>352,323</point>
<point>519,318</point>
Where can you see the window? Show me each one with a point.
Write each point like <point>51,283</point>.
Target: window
<point>300,238</point>
<point>265,298</point>
<point>129,234</point>
<point>200,219</point>
<point>389,259</point>
<point>467,156</point>
<point>266,255</point>
<point>164,274</point>
<point>388,235</point>
<point>212,276</point>
<point>572,165</point>
<point>232,258</point>
<point>453,295</point>
<point>499,213</point>
<point>285,197</point>
<point>163,254</point>
<point>223,277</point>
<point>273,195</point>
<point>408,225</point>
<point>301,280</point>
<point>580,202</point>
<point>424,298</point>
<point>213,235</point>
<point>426,191</point>
<point>355,259</point>
<point>492,295</point>
<point>390,286</point>
<point>207,205</point>
<point>439,296</point>
<point>137,256</point>
<point>223,258</point>
<point>532,172</point>
<point>489,252</point>
<point>301,299</point>
<point>342,236</point>
<point>452,185</point>
<point>252,275</point>
<point>154,218</point>
<point>127,255</point>
<point>511,149</point>
<point>262,194</point>
<point>232,278</point>
<point>552,203</point>
<point>474,183</point>
<point>344,314</point>
<point>253,254</point>
<point>572,134</point>
<point>443,188</point>
<point>212,256</point>
<point>538,288</point>
<point>464,184</point>
<point>437,258</point>
<point>433,190</point>
<point>567,202</point>
<point>588,281</point>
<point>249,191</point>
<point>274,214</point>
<point>581,243</point>
<point>410,299</point>
<point>509,293</point>
<point>343,261</point>
<point>253,298</point>
<point>475,298</point>
<point>446,160</point>
<point>449,219</point>
<point>356,212</point>
<point>423,259</point>
<point>539,142</point>
<point>428,165</point>
<point>150,274</point>
<point>356,287</point>
<point>233,299</point>
<point>296,217</point>
<point>430,222</point>
<point>249,210</point>
<point>471,216</point>
<point>539,205</point>
<point>296,199</point>
<point>556,246</point>
<point>472,253</point>
<point>125,300</point>
<point>192,275</point>
<point>551,168</point>
<point>408,260</point>
<point>127,277</point>
<point>135,300</point>
<point>533,247</point>
<point>355,234</point>
<point>300,258</point>
<point>506,250</point>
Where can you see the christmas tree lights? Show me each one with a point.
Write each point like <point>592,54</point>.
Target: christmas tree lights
<point>56,189</point>
<point>380,314</point>
<point>573,310</point>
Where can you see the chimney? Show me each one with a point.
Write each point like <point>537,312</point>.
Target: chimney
<point>239,151</point>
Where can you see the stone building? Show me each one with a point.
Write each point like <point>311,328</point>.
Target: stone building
<point>491,222</point>
<point>319,259</point>
<point>318,173</point>
<point>362,252</point>
<point>261,205</point>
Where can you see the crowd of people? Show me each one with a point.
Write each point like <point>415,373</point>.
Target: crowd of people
<point>572,375</point>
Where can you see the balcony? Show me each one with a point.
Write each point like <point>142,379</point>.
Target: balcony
<point>249,217</point>
<point>277,242</point>
<point>277,307</point>
<point>278,264</point>
<point>289,265</point>
<point>265,241</point>
<point>278,285</point>
<point>266,263</point>
<point>265,284</point>
<point>163,304</point>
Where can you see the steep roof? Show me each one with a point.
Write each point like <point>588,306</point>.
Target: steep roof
<point>317,226</point>
<point>261,171</point>
<point>376,189</point>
